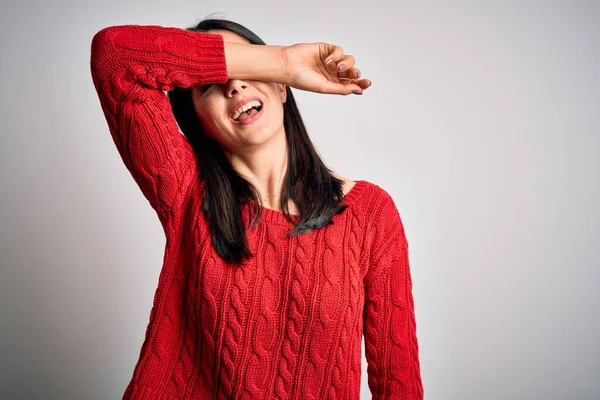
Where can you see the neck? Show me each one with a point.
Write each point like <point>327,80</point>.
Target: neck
<point>264,165</point>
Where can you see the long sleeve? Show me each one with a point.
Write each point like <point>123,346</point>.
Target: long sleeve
<point>132,66</point>
<point>391,346</point>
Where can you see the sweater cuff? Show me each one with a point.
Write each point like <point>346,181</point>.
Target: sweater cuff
<point>211,50</point>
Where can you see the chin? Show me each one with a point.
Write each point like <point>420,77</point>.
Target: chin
<point>259,136</point>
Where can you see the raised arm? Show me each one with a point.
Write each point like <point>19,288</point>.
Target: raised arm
<point>391,346</point>
<point>131,66</point>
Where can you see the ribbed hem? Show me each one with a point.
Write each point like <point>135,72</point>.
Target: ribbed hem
<point>210,49</point>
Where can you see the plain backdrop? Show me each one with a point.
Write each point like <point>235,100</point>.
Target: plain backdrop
<point>482,123</point>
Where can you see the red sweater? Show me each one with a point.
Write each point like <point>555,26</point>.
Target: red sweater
<point>287,325</point>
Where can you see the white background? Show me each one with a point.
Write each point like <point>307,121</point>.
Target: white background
<point>482,123</point>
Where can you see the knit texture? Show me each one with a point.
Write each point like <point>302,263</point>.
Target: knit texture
<point>289,323</point>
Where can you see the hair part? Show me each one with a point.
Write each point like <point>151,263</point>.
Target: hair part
<point>308,182</point>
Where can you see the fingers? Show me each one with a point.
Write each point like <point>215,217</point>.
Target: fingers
<point>345,63</point>
<point>363,83</point>
<point>332,59</point>
<point>348,75</point>
<point>352,73</point>
<point>342,64</point>
<point>359,84</point>
<point>347,86</point>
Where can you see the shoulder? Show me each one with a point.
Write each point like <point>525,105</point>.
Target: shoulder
<point>374,205</point>
<point>385,234</point>
<point>375,202</point>
<point>376,208</point>
<point>385,216</point>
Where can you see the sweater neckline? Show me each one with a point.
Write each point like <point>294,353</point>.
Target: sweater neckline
<point>273,216</point>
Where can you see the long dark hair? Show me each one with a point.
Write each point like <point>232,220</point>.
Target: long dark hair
<point>308,182</point>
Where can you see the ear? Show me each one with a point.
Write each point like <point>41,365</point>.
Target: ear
<point>282,92</point>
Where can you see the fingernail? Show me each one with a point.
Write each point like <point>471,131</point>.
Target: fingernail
<point>342,67</point>
<point>357,92</point>
<point>357,73</point>
<point>329,61</point>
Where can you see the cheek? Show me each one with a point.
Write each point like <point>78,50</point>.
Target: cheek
<point>211,116</point>
<point>276,110</point>
<point>275,100</point>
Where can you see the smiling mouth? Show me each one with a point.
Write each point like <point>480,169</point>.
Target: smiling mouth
<point>249,113</point>
<point>249,117</point>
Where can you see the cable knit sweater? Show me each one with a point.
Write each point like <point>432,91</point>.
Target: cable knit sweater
<point>289,323</point>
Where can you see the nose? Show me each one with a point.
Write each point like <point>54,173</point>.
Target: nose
<point>235,86</point>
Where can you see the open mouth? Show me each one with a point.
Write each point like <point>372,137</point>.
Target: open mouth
<point>248,112</point>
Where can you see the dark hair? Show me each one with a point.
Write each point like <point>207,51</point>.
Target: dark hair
<point>308,182</point>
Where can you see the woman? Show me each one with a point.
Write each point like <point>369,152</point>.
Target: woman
<point>274,267</point>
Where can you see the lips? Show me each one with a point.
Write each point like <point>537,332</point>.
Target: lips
<point>241,103</point>
<point>249,120</point>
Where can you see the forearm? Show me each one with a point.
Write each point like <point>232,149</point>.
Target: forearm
<point>157,57</point>
<point>255,62</point>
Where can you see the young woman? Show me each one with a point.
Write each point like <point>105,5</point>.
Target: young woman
<point>274,267</point>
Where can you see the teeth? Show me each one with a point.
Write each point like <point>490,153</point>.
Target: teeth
<point>245,107</point>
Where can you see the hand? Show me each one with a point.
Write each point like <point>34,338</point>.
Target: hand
<point>306,68</point>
